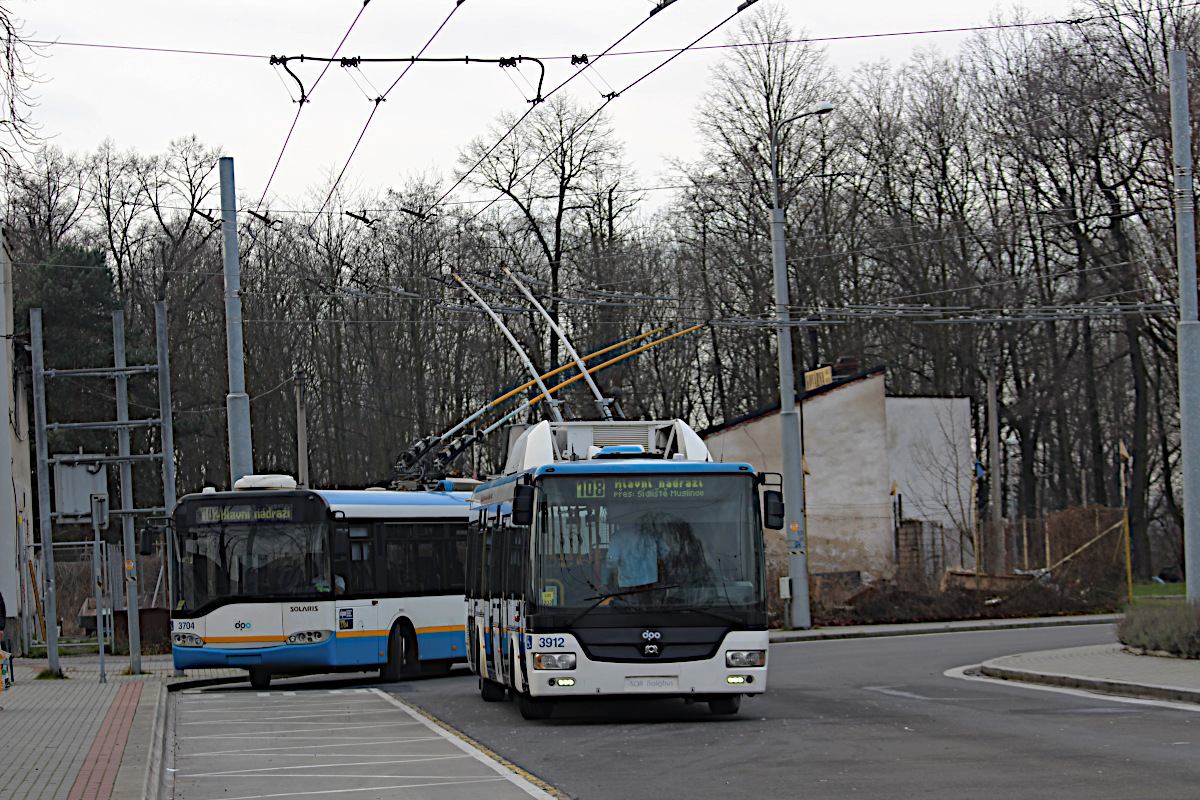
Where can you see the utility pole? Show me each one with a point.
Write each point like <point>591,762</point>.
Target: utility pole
<point>992,542</point>
<point>237,402</point>
<point>100,520</point>
<point>301,430</point>
<point>132,615</point>
<point>1189,322</point>
<point>791,422</point>
<point>43,483</point>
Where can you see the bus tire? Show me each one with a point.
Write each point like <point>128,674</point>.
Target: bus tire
<point>534,707</point>
<point>260,678</point>
<point>491,691</point>
<point>725,704</point>
<point>400,661</point>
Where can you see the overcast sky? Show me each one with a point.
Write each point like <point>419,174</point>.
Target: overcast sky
<point>143,100</point>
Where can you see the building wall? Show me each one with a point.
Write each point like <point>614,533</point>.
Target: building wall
<point>9,540</point>
<point>845,448</point>
<point>931,461</point>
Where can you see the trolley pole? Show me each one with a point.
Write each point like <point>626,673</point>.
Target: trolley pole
<point>237,402</point>
<point>1189,322</point>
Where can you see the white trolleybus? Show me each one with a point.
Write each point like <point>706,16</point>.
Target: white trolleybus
<point>616,559</point>
<point>279,580</point>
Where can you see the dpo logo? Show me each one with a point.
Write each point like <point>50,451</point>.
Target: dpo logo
<point>242,626</point>
<point>650,636</point>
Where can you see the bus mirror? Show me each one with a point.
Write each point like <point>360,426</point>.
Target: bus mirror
<point>773,510</point>
<point>147,543</point>
<point>522,506</point>
<point>154,527</point>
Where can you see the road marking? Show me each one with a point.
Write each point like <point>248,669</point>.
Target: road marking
<point>470,749</point>
<point>318,719</point>
<point>888,690</point>
<point>961,674</point>
<point>306,747</point>
<point>247,772</point>
<point>368,789</point>
<point>301,730</point>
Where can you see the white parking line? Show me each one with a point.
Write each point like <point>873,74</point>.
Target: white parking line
<point>363,789</point>
<point>317,719</point>
<point>483,758</point>
<point>306,747</point>
<point>300,730</point>
<point>249,772</point>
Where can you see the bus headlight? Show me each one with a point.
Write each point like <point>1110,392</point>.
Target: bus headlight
<point>554,661</point>
<point>745,658</point>
<point>309,637</point>
<point>186,640</point>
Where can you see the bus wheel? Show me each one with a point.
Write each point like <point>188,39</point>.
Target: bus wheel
<point>725,704</point>
<point>491,691</point>
<point>399,657</point>
<point>260,678</point>
<point>534,707</point>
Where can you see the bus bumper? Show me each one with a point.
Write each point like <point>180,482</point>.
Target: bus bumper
<point>284,657</point>
<point>654,678</point>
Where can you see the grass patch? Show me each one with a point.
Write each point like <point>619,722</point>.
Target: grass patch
<point>1159,590</point>
<point>48,674</point>
<point>1173,628</point>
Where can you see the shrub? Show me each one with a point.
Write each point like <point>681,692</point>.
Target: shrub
<point>1173,629</point>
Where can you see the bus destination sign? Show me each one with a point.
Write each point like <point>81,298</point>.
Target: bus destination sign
<point>216,515</point>
<point>640,487</point>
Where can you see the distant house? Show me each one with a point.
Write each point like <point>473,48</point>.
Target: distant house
<point>889,478</point>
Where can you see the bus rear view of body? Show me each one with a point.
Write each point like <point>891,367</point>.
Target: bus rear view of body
<point>637,570</point>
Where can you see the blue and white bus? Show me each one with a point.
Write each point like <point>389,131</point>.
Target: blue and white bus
<point>616,559</point>
<point>279,580</point>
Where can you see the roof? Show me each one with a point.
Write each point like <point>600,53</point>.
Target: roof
<point>767,411</point>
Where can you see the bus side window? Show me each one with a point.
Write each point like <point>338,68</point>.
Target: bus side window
<point>515,584</point>
<point>353,561</point>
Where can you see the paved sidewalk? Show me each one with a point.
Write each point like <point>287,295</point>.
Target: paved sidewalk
<point>79,739</point>
<point>913,628</point>
<point>1104,668</point>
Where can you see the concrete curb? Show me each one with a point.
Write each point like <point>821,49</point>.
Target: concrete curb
<point>955,626</point>
<point>158,742</point>
<point>200,683</point>
<point>1176,693</point>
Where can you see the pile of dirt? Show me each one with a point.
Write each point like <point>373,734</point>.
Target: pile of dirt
<point>890,605</point>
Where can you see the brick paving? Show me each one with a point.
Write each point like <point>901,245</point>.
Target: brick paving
<point>49,729</point>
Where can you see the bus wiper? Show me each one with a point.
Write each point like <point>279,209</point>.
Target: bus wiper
<point>636,590</point>
<point>600,598</point>
<point>713,614</point>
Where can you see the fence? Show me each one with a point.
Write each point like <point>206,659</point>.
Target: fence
<point>75,592</point>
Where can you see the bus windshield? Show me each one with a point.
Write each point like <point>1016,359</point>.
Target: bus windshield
<point>648,542</point>
<point>243,551</point>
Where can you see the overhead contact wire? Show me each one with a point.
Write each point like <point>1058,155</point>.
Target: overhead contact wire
<point>287,140</point>
<point>512,128</point>
<point>608,99</point>
<point>379,101</point>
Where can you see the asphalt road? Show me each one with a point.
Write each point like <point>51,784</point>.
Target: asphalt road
<point>869,718</point>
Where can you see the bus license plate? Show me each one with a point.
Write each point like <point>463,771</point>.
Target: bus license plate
<point>652,684</point>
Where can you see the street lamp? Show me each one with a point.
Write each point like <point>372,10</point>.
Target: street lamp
<point>790,419</point>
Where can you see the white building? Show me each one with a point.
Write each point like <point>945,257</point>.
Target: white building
<point>16,492</point>
<point>873,461</point>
